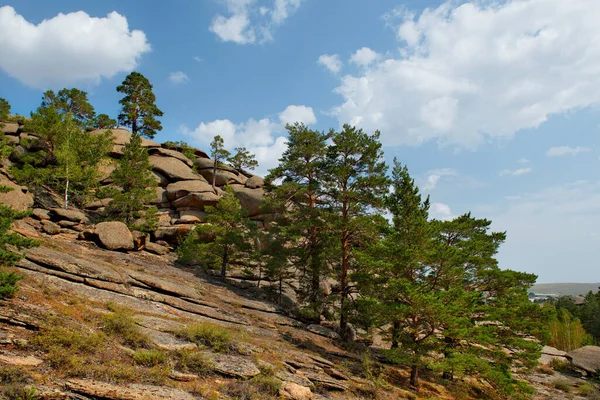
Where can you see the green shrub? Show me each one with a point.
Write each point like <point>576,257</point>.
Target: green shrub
<point>193,361</point>
<point>19,392</point>
<point>8,284</point>
<point>561,384</point>
<point>122,323</point>
<point>75,340</point>
<point>588,391</point>
<point>266,384</point>
<point>10,374</point>
<point>149,358</point>
<point>206,334</point>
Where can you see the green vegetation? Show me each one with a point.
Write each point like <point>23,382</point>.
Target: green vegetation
<point>242,159</point>
<point>120,322</point>
<point>226,235</point>
<point>210,335</point>
<point>567,333</point>
<point>193,361</point>
<point>183,147</point>
<point>138,110</point>
<point>218,153</point>
<point>4,109</point>
<point>73,102</point>
<point>149,358</point>
<point>103,121</point>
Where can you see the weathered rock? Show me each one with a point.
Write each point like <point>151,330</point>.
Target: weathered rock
<point>203,163</point>
<point>10,128</point>
<point>122,136</point>
<point>26,228</point>
<point>156,249</point>
<point>235,366</point>
<point>70,215</point>
<point>140,240</point>
<point>586,358</point>
<point>67,224</point>
<point>293,391</point>
<point>94,205</point>
<point>105,170</point>
<point>192,212</point>
<point>172,234</point>
<point>183,188</point>
<point>28,361</point>
<point>161,197</point>
<point>255,182</point>
<point>324,380</point>
<point>41,214</point>
<point>223,177</point>
<point>171,153</point>
<point>196,200</point>
<point>188,219</point>
<point>161,180</point>
<point>172,168</point>
<point>18,198</point>
<point>50,228</point>
<point>181,377</point>
<point>114,235</point>
<point>250,199</point>
<point>125,392</point>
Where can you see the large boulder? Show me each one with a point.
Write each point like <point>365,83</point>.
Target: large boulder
<point>18,198</point>
<point>196,200</point>
<point>171,153</point>
<point>203,163</point>
<point>550,354</point>
<point>250,199</point>
<point>122,136</point>
<point>183,188</point>
<point>160,179</point>
<point>255,182</point>
<point>172,234</point>
<point>69,215</point>
<point>9,128</point>
<point>223,177</point>
<point>172,168</point>
<point>293,391</point>
<point>586,358</point>
<point>114,235</point>
<point>160,199</point>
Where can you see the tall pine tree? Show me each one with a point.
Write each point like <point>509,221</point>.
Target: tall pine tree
<point>139,110</point>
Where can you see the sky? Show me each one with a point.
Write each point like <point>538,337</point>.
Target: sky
<point>492,105</point>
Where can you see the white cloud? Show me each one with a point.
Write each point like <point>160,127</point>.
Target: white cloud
<point>440,211</point>
<point>301,114</point>
<point>515,172</point>
<point>178,77</point>
<point>68,48</point>
<point>434,177</point>
<point>248,23</point>
<point>196,58</point>
<point>548,232</point>
<point>467,72</point>
<point>523,161</point>
<point>364,57</point>
<point>566,151</point>
<point>265,138</point>
<point>331,61</point>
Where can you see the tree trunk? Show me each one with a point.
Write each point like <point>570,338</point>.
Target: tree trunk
<point>344,290</point>
<point>67,193</point>
<point>414,375</point>
<point>224,263</point>
<point>214,179</point>
<point>315,271</point>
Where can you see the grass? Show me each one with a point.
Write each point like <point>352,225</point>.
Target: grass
<point>210,335</point>
<point>12,384</point>
<point>193,361</point>
<point>121,323</point>
<point>149,358</point>
<point>561,384</point>
<point>588,391</point>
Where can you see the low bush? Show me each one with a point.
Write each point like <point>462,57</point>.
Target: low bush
<point>121,323</point>
<point>149,358</point>
<point>210,335</point>
<point>193,361</point>
<point>561,384</point>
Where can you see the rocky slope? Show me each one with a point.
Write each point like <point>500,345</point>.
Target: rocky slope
<point>105,313</point>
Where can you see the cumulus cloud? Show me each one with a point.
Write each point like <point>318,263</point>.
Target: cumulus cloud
<point>473,71</point>
<point>440,211</point>
<point>178,77</point>
<point>550,231</point>
<point>68,48</point>
<point>566,151</point>
<point>434,177</point>
<point>515,172</point>
<point>265,137</point>
<point>364,57</point>
<point>248,23</point>
<point>331,61</point>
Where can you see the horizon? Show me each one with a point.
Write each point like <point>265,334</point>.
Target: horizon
<point>493,108</point>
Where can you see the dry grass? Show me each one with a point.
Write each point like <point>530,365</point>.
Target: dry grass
<point>210,335</point>
<point>121,323</point>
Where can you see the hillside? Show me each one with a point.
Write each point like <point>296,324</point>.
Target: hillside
<point>565,289</point>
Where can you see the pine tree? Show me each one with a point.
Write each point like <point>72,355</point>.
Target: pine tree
<point>225,235</point>
<point>8,243</point>
<point>217,152</point>
<point>135,188</point>
<point>103,121</point>
<point>298,202</point>
<point>242,159</point>
<point>4,110</point>
<point>355,183</point>
<point>71,101</point>
<point>139,110</point>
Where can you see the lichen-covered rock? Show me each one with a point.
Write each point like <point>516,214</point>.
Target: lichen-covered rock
<point>105,390</point>
<point>156,249</point>
<point>323,331</point>
<point>196,200</point>
<point>41,214</point>
<point>50,228</point>
<point>172,168</point>
<point>183,188</point>
<point>235,366</point>
<point>586,358</point>
<point>69,215</point>
<point>10,128</point>
<point>114,235</point>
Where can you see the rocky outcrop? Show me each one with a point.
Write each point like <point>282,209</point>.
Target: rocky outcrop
<point>550,354</point>
<point>586,358</point>
<point>18,197</point>
<point>293,391</point>
<point>122,136</point>
<point>250,199</point>
<point>102,390</point>
<point>255,182</point>
<point>114,235</point>
<point>172,168</point>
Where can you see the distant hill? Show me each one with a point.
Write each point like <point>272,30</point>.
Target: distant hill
<point>565,289</point>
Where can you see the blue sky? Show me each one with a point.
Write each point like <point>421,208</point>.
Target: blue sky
<point>492,105</point>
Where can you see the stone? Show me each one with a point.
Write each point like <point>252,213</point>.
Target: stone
<point>18,198</point>
<point>67,224</point>
<point>586,358</point>
<point>172,234</point>
<point>161,197</point>
<point>94,205</point>
<point>171,153</point>
<point>183,188</point>
<point>156,249</point>
<point>140,240</point>
<point>70,215</point>
<point>50,228</point>
<point>192,212</point>
<point>188,219</point>
<point>10,128</point>
<point>161,180</point>
<point>41,214</point>
<point>12,140</point>
<point>114,235</point>
<point>203,163</point>
<point>250,199</point>
<point>223,177</point>
<point>172,168</point>
<point>255,182</point>
<point>196,200</point>
<point>105,170</point>
<point>235,366</point>
<point>129,391</point>
<point>29,361</point>
<point>122,136</point>
<point>181,377</point>
<point>293,391</point>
